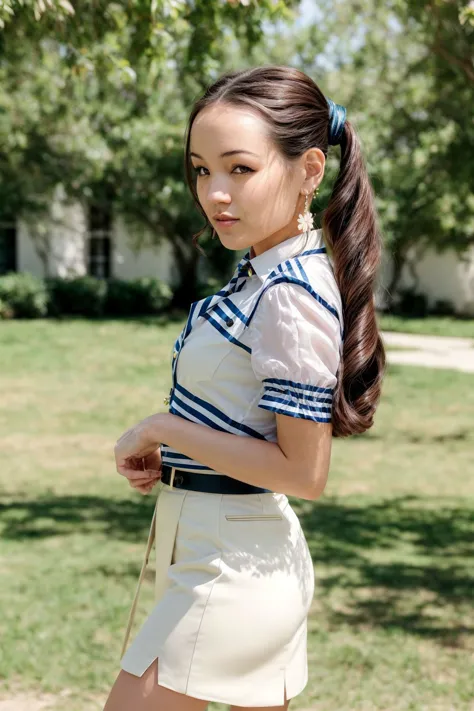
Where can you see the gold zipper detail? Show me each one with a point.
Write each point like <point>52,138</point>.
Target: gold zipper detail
<point>256,517</point>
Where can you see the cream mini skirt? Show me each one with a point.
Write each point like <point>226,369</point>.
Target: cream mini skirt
<point>234,586</point>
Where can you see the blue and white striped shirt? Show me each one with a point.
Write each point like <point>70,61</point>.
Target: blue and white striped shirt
<point>269,342</point>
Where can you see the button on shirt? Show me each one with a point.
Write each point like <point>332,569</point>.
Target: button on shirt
<point>267,343</point>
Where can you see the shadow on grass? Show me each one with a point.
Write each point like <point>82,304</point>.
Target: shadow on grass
<point>175,316</point>
<point>47,516</point>
<point>403,563</point>
<point>392,560</point>
<point>462,435</point>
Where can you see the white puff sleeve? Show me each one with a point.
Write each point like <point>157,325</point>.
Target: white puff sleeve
<point>296,344</point>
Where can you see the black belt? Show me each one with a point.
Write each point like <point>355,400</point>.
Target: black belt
<point>211,483</point>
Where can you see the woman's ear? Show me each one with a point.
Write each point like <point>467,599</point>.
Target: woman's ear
<point>314,163</point>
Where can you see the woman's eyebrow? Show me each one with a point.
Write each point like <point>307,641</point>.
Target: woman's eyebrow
<point>227,153</point>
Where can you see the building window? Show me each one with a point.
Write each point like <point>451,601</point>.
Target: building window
<point>99,256</point>
<point>7,248</point>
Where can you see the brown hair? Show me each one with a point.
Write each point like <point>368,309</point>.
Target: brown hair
<point>297,115</point>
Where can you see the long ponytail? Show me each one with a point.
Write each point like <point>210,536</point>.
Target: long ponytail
<point>298,118</point>
<point>351,231</point>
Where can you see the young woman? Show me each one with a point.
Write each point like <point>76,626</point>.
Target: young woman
<point>265,373</point>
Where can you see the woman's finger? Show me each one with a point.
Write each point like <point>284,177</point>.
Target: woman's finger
<point>150,463</point>
<point>144,481</point>
<point>143,477</point>
<point>137,463</point>
<point>133,474</point>
<point>143,485</point>
<point>153,460</point>
<point>144,489</point>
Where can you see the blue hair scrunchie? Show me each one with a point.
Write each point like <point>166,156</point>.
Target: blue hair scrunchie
<point>337,118</point>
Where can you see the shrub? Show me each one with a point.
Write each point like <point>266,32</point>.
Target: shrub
<point>23,296</point>
<point>5,310</point>
<point>208,287</point>
<point>79,296</point>
<point>411,303</point>
<point>138,297</point>
<point>443,307</point>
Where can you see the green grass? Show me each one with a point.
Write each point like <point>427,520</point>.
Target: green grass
<point>430,326</point>
<point>391,627</point>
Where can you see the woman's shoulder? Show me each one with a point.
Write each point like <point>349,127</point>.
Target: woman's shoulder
<point>304,281</point>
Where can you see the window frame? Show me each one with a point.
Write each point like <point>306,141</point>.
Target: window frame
<point>99,243</point>
<point>11,259</point>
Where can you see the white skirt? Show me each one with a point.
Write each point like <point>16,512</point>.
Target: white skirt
<point>234,585</point>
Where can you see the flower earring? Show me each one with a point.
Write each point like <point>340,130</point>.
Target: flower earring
<point>305,220</point>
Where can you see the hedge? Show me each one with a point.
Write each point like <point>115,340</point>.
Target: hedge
<point>23,295</point>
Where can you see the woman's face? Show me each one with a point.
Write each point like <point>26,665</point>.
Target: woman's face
<point>255,184</point>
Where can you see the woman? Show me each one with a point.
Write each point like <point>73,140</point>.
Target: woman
<point>265,372</point>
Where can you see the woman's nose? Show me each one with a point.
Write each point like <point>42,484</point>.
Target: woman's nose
<point>219,198</point>
<point>218,193</point>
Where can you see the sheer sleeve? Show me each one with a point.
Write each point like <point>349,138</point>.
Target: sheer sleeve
<point>296,345</point>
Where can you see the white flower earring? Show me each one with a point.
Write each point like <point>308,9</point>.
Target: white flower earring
<point>305,220</point>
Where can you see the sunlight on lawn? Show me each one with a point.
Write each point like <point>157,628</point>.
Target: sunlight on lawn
<point>392,619</point>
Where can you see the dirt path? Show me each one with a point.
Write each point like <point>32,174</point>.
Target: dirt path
<point>49,702</point>
<point>26,702</point>
<point>431,351</point>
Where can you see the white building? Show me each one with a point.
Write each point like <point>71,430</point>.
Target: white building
<point>439,277</point>
<point>77,243</point>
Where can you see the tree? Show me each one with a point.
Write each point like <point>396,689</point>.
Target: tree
<point>97,101</point>
<point>411,101</point>
<point>101,104</point>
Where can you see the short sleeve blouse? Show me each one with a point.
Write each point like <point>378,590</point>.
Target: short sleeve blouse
<point>267,343</point>
<point>296,346</point>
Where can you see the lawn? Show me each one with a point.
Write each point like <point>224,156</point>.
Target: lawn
<point>429,326</point>
<point>392,622</point>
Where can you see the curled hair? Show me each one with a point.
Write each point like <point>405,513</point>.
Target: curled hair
<point>297,116</point>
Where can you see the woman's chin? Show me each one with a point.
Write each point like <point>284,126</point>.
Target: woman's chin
<point>233,242</point>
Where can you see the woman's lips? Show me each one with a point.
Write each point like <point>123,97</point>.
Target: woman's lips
<point>227,223</point>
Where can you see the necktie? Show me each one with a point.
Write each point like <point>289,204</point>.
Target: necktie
<point>243,271</point>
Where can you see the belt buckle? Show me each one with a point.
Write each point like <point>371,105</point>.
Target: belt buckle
<point>179,478</point>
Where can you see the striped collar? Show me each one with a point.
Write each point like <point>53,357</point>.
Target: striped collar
<point>263,264</point>
<point>266,264</point>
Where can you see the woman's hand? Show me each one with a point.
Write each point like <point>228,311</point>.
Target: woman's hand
<point>138,456</point>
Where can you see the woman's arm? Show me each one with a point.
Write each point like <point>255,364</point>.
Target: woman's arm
<point>297,465</point>
<point>296,347</point>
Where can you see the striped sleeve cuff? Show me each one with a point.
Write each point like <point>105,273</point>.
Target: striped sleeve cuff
<point>286,397</point>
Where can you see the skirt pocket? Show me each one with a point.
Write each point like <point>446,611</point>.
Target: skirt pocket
<point>254,517</point>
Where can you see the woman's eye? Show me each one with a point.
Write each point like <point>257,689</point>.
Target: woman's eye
<point>245,168</point>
